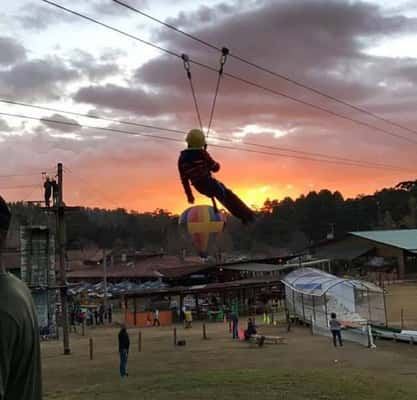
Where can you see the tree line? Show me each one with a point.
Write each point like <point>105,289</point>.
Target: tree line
<point>290,224</point>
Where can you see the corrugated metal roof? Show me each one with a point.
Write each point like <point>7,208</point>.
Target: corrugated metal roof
<point>256,267</point>
<point>347,249</point>
<point>402,238</point>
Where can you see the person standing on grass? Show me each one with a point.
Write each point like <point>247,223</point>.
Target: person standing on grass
<point>235,322</point>
<point>110,313</point>
<point>20,361</point>
<point>335,328</point>
<point>156,318</point>
<point>124,344</point>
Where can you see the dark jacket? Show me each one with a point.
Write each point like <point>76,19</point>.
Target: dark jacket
<point>195,165</point>
<point>124,342</point>
<point>5,217</point>
<point>251,329</point>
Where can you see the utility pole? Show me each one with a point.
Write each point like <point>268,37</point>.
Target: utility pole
<point>60,222</point>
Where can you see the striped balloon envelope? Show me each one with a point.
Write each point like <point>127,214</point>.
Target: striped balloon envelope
<point>203,224</point>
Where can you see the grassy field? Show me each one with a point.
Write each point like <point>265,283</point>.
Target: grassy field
<point>306,367</point>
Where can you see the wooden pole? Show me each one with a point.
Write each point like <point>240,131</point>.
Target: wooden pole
<point>134,311</point>
<point>91,348</point>
<point>385,303</point>
<point>175,336</point>
<point>60,220</point>
<point>402,318</point>
<point>139,341</point>
<point>204,332</point>
<point>105,280</point>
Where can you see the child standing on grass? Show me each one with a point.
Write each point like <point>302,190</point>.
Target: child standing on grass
<point>335,328</point>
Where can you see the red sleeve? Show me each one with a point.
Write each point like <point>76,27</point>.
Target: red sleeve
<point>213,165</point>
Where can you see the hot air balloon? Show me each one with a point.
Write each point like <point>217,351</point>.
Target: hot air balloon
<point>203,224</point>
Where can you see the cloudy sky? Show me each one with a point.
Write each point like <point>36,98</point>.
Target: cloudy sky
<point>361,52</point>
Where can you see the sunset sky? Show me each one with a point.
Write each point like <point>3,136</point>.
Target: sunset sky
<point>361,52</point>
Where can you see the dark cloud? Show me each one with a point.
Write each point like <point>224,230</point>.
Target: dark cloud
<point>93,68</point>
<point>68,124</point>
<point>321,43</point>
<point>203,15</point>
<point>11,51</point>
<point>4,126</point>
<point>38,17</point>
<point>44,78</point>
<point>133,99</point>
<point>109,7</point>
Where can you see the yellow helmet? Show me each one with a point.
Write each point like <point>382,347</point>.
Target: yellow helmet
<point>196,139</point>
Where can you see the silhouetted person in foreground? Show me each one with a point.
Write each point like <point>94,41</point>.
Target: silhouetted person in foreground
<point>20,362</point>
<point>124,344</point>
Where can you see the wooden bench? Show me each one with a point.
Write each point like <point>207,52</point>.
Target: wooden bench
<point>261,339</point>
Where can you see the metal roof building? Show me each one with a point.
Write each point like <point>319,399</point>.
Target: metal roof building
<point>399,245</point>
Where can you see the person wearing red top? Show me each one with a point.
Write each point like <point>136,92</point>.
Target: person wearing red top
<point>196,166</point>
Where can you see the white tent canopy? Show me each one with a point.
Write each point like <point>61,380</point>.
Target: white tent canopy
<point>314,282</point>
<point>313,295</point>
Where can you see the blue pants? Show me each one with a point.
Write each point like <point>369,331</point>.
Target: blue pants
<point>123,362</point>
<point>338,335</point>
<point>235,330</point>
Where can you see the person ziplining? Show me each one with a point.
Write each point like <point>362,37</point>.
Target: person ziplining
<point>196,165</point>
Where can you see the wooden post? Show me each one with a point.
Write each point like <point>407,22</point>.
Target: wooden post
<point>402,318</point>
<point>91,348</point>
<point>204,332</point>
<point>139,341</point>
<point>60,225</point>
<point>302,303</point>
<point>314,307</point>
<point>134,311</point>
<point>385,303</point>
<point>175,336</point>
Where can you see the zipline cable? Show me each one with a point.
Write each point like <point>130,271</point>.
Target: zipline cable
<point>235,77</point>
<point>187,67</point>
<point>223,59</point>
<point>268,70</point>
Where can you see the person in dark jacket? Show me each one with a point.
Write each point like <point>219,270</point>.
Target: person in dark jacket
<point>235,323</point>
<point>335,328</point>
<point>251,329</point>
<point>124,344</point>
<point>196,166</point>
<point>47,191</point>
<point>20,357</point>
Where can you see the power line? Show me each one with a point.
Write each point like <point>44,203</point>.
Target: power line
<point>235,77</point>
<point>114,130</point>
<point>267,70</point>
<point>176,131</point>
<point>17,187</point>
<point>78,114</point>
<point>19,175</point>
